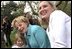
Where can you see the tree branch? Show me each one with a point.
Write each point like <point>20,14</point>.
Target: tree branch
<point>32,8</point>
<point>59,3</point>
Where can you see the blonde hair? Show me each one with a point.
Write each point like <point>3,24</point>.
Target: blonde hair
<point>52,3</point>
<point>20,19</point>
<point>19,36</point>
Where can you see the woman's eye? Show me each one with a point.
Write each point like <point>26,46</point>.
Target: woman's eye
<point>19,24</point>
<point>39,8</point>
<point>45,6</point>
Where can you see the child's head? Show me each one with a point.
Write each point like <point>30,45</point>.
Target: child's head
<point>19,39</point>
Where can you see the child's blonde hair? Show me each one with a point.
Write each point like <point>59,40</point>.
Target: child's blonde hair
<point>17,36</point>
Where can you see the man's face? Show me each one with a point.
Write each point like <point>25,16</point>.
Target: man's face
<point>45,9</point>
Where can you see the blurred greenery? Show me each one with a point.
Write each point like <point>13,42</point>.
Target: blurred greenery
<point>65,7</point>
<point>12,35</point>
<point>19,9</point>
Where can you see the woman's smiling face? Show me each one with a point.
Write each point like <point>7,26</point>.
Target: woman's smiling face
<point>21,26</point>
<point>45,9</point>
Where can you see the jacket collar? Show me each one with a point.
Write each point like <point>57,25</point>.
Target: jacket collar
<point>29,29</point>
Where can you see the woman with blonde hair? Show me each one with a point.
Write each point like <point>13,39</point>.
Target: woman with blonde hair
<point>35,35</point>
<point>59,24</point>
